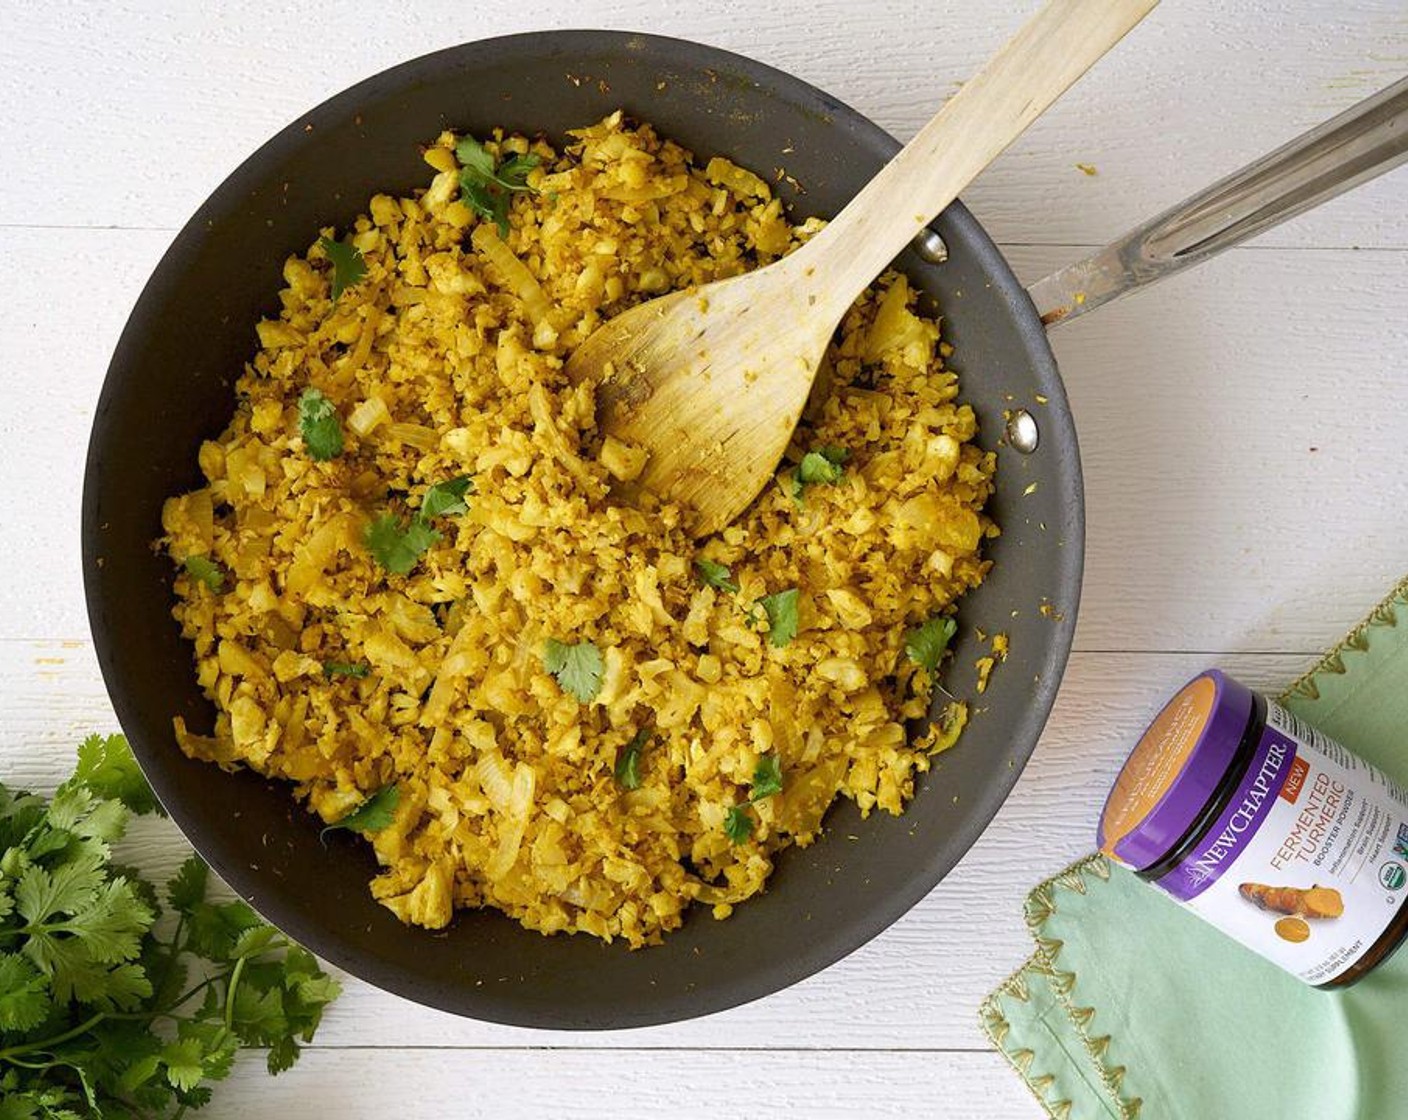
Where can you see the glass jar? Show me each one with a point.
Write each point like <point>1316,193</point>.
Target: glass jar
<point>1266,828</point>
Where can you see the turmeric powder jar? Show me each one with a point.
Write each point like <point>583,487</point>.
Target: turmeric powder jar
<point>1269,830</point>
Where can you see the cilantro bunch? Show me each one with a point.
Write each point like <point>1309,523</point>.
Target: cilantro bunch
<point>115,1003</point>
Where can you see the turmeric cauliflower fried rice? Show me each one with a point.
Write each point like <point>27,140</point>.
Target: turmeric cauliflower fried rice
<point>579,715</point>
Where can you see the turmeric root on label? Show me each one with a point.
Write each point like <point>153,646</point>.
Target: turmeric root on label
<point>1293,929</point>
<point>1309,902</point>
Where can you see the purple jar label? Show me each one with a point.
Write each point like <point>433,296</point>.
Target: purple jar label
<point>1248,807</point>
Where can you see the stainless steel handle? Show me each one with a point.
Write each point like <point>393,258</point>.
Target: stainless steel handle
<point>1360,143</point>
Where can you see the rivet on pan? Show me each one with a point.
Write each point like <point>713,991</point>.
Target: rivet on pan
<point>1021,431</point>
<point>930,247</point>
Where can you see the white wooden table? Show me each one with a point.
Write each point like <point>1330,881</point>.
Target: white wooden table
<point>1245,436</point>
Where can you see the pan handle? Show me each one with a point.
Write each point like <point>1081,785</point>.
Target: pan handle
<point>1360,143</point>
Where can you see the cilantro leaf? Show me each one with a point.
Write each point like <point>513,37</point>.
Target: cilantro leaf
<point>473,156</point>
<point>183,1064</point>
<point>77,814</point>
<point>925,644</point>
<point>781,610</point>
<point>767,777</point>
<point>207,571</point>
<point>397,547</point>
<point>344,669</point>
<point>107,769</point>
<point>823,465</point>
<point>373,814</point>
<point>578,668</point>
<point>513,172</point>
<point>41,895</point>
<point>282,1055</point>
<point>628,761</point>
<point>319,425</point>
<point>445,498</point>
<point>716,575</point>
<point>186,890</point>
<point>215,927</point>
<point>738,825</point>
<point>348,264</point>
<point>24,994</point>
<point>486,189</point>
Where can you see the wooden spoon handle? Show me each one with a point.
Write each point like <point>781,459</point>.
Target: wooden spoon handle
<point>1051,51</point>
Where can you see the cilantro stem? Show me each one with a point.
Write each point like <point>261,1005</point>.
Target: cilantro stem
<point>175,954</point>
<point>33,1065</point>
<point>230,993</point>
<point>167,1012</point>
<point>45,1043</point>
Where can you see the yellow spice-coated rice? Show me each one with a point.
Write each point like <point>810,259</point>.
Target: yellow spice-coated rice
<point>447,360</point>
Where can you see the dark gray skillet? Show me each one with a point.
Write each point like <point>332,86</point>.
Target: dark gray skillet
<point>169,387</point>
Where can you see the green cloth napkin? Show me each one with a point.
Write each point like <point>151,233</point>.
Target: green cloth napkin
<point>1133,1007</point>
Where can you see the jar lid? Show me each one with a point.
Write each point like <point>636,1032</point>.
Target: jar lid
<point>1174,770</point>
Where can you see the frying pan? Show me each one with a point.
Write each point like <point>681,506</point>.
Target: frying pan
<point>170,386</point>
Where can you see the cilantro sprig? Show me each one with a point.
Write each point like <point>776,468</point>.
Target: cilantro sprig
<point>716,575</point>
<point>578,668</point>
<point>344,669</point>
<point>348,264</point>
<point>628,760</point>
<point>824,465</point>
<point>207,571</point>
<point>925,645</point>
<point>319,425</point>
<point>767,782</point>
<point>100,1013</point>
<point>372,815</point>
<point>486,188</point>
<point>738,824</point>
<point>445,498</point>
<point>780,609</point>
<point>398,545</point>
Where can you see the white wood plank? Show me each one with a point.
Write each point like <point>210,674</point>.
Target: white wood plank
<point>915,986</point>
<point>129,113</point>
<point>1212,523</point>
<point>1244,436</point>
<point>627,1084</point>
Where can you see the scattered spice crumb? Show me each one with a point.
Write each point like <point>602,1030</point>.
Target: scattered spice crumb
<point>1088,168</point>
<point>1041,398</point>
<point>984,666</point>
<point>1029,490</point>
<point>1051,612</point>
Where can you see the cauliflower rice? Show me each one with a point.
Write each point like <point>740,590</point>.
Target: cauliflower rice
<point>446,360</point>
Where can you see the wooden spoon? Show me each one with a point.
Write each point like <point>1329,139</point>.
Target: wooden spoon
<point>711,381</point>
